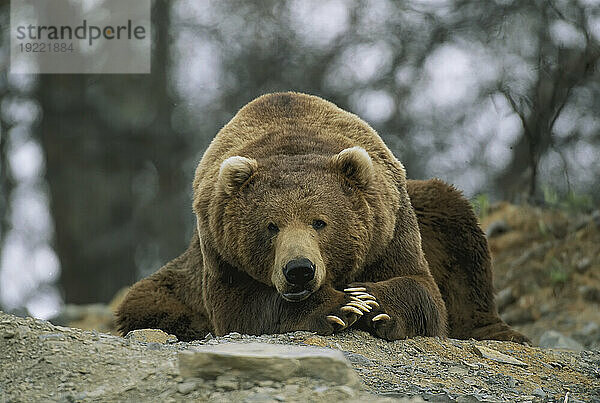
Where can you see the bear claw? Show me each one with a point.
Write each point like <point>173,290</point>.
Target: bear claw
<point>349,308</point>
<point>359,301</point>
<point>355,289</point>
<point>363,307</point>
<point>335,319</point>
<point>372,304</point>
<point>365,296</point>
<point>381,316</point>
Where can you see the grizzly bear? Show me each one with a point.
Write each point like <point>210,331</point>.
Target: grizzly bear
<point>306,221</point>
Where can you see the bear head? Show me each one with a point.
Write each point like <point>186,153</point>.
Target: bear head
<point>300,219</point>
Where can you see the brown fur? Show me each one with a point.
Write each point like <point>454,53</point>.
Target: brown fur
<point>289,159</point>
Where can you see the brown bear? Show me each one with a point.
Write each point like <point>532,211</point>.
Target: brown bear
<point>305,221</point>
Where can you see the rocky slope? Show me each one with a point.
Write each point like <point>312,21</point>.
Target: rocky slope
<point>547,273</point>
<point>42,362</point>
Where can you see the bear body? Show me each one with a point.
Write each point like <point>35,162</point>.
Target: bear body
<point>306,221</point>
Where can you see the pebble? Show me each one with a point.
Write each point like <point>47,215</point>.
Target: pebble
<point>233,336</point>
<point>539,392</point>
<point>150,336</point>
<point>227,382</point>
<point>186,387</point>
<point>9,334</point>
<point>52,336</point>
<point>583,264</point>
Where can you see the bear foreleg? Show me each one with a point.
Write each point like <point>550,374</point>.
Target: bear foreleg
<point>403,307</point>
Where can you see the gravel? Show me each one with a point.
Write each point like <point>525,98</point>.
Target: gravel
<point>44,362</point>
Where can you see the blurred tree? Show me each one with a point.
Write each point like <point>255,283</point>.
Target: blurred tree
<point>399,65</point>
<point>118,193</point>
<point>564,57</point>
<point>6,182</point>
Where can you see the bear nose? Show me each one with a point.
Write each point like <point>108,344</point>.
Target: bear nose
<point>299,271</point>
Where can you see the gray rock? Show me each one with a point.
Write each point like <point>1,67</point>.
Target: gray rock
<point>186,387</point>
<point>539,392</point>
<point>497,228</point>
<point>52,336</point>
<point>554,339</point>
<point>497,356</point>
<point>583,264</point>
<point>227,382</point>
<point>261,361</point>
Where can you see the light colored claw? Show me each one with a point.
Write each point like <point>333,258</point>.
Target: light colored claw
<point>381,316</point>
<point>355,289</point>
<point>365,296</point>
<point>372,304</point>
<point>349,308</point>
<point>335,319</point>
<point>363,307</point>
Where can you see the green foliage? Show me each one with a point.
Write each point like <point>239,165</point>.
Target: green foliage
<point>481,204</point>
<point>571,201</point>
<point>558,274</point>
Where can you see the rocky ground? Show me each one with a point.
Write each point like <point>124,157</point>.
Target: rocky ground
<point>546,271</point>
<point>42,362</point>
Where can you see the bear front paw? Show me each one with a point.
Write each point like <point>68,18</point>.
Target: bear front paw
<point>348,314</point>
<point>376,320</point>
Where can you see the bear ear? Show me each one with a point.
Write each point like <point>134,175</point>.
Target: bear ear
<point>235,171</point>
<point>355,164</point>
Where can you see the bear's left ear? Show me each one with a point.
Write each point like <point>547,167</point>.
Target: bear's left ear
<point>235,171</point>
<point>355,164</point>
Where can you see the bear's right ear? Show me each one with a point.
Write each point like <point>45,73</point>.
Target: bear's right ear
<point>235,171</point>
<point>355,164</point>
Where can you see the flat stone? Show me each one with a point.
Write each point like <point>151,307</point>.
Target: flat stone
<point>151,336</point>
<point>497,356</point>
<point>262,361</point>
<point>52,336</point>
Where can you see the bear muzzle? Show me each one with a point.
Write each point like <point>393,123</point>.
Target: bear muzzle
<point>299,274</point>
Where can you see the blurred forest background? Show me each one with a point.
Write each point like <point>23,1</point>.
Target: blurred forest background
<point>499,97</point>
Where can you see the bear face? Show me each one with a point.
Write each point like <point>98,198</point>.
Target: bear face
<point>309,221</point>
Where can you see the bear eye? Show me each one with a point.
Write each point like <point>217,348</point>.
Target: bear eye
<point>319,224</point>
<point>273,228</point>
